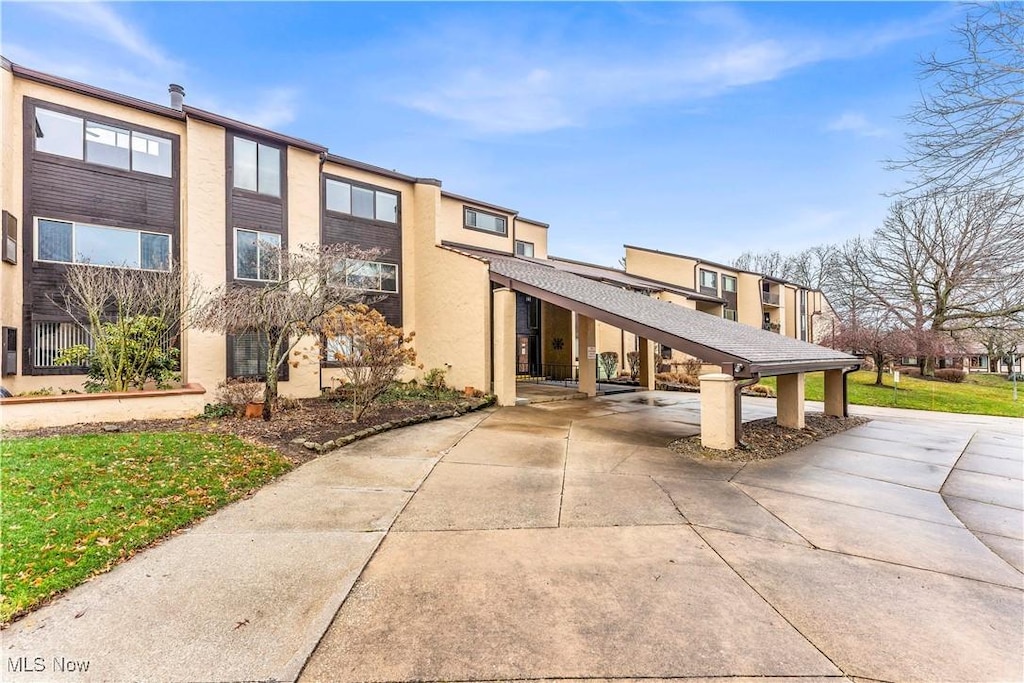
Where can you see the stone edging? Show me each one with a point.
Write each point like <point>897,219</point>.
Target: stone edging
<point>478,404</point>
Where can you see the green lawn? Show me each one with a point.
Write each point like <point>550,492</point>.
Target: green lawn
<point>75,506</point>
<point>978,394</point>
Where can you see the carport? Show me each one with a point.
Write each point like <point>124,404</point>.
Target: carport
<point>743,353</point>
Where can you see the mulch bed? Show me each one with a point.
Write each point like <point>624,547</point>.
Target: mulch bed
<point>765,439</point>
<point>312,420</point>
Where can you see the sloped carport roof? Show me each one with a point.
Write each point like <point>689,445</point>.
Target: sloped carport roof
<point>751,351</point>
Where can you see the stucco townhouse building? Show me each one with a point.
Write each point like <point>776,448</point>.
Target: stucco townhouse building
<point>90,175</point>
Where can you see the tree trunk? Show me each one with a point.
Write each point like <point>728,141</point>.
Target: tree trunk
<point>270,384</point>
<point>879,361</point>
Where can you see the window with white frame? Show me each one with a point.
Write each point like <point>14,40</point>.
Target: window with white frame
<point>361,202</point>
<point>372,276</point>
<point>99,245</point>
<point>475,219</point>
<point>257,255</point>
<point>524,248</point>
<point>708,279</point>
<point>730,314</point>
<point>257,167</point>
<point>728,284</point>
<point>117,146</point>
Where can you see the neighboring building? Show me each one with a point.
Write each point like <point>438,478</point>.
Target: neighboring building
<point>754,299</point>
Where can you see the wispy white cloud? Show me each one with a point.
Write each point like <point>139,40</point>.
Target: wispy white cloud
<point>271,108</point>
<point>856,123</point>
<point>526,83</point>
<point>104,23</point>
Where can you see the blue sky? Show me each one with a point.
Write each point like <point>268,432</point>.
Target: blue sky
<point>699,128</point>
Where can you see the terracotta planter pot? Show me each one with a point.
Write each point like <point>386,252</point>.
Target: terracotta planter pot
<point>254,410</point>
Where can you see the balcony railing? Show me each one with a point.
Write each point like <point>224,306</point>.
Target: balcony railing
<point>544,372</point>
<point>769,298</point>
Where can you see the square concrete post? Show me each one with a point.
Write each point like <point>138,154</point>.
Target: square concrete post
<point>648,365</point>
<point>790,403</point>
<point>587,329</point>
<point>503,342</point>
<point>834,403</point>
<point>718,411</point>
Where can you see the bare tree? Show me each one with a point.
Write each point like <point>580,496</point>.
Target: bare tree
<point>883,343</point>
<point>810,267</point>
<point>771,263</point>
<point>312,281</point>
<point>946,262</point>
<point>129,314</point>
<point>968,131</point>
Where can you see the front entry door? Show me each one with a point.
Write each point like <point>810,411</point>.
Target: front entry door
<point>528,354</point>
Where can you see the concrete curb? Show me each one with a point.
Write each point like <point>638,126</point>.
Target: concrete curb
<point>330,445</point>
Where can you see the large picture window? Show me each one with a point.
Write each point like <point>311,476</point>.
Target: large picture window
<point>257,255</point>
<point>361,202</point>
<point>476,219</point>
<point>76,137</point>
<point>98,245</point>
<point>372,276</point>
<point>257,167</point>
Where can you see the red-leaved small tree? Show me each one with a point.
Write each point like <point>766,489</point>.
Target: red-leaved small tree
<point>372,353</point>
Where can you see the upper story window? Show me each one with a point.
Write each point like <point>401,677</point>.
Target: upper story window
<point>476,219</point>
<point>708,279</point>
<point>524,248</point>
<point>257,255</point>
<point>730,314</point>
<point>361,202</point>
<point>372,276</point>
<point>257,167</point>
<point>75,137</point>
<point>97,245</point>
<point>729,284</point>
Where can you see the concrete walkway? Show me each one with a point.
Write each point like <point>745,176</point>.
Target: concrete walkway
<point>564,541</point>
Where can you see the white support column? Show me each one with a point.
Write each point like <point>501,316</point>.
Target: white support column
<point>587,329</point>
<point>790,401</point>
<point>834,404</point>
<point>504,346</point>
<point>648,365</point>
<point>718,411</point>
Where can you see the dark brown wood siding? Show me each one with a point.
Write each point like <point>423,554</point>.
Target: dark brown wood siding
<point>252,211</point>
<point>73,190</point>
<point>339,228</point>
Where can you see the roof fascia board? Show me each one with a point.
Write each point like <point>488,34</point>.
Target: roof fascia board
<point>225,122</point>
<point>477,202</point>
<point>705,353</point>
<point>93,91</point>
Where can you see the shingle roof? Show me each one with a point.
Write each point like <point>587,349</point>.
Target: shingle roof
<point>705,336</point>
<point>620,277</point>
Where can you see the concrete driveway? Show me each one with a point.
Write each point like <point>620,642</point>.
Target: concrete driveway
<point>564,541</point>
